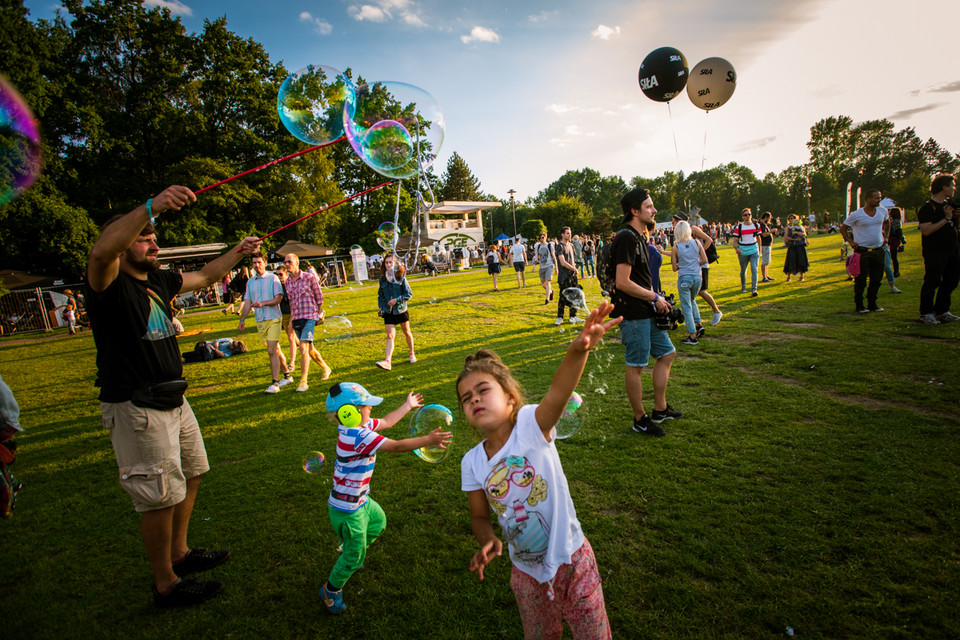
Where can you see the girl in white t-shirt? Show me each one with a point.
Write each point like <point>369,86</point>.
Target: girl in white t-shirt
<point>516,471</point>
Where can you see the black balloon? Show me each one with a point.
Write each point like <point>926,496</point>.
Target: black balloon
<point>663,74</point>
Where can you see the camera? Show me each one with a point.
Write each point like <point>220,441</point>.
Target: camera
<point>673,318</point>
<point>953,202</point>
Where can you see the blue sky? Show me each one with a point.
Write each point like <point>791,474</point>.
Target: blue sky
<point>533,88</point>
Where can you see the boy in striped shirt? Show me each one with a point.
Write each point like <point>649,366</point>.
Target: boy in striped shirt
<point>356,518</point>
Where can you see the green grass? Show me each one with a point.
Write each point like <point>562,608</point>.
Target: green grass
<point>811,483</point>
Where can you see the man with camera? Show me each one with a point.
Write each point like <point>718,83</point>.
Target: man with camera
<point>636,301</point>
<point>940,245</point>
<point>156,438</point>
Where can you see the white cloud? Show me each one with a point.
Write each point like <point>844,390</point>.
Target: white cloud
<point>542,16</point>
<point>604,32</point>
<point>367,12</point>
<point>385,10</point>
<point>176,7</point>
<point>320,25</point>
<point>480,34</point>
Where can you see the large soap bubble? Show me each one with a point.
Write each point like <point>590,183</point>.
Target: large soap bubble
<point>311,103</point>
<point>313,462</point>
<point>569,422</point>
<point>576,298</point>
<point>337,329</point>
<point>423,422</point>
<point>19,144</point>
<point>663,74</point>
<point>391,125</point>
<point>712,83</point>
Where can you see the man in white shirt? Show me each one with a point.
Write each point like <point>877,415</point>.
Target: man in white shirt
<point>519,253</point>
<point>866,231</point>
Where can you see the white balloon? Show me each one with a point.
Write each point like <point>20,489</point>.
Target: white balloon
<point>711,83</point>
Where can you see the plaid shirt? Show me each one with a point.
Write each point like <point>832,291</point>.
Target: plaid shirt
<point>305,296</point>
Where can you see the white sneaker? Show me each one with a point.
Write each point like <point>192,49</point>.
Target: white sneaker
<point>947,317</point>
<point>716,318</point>
<point>383,364</point>
<point>893,289</point>
<point>558,322</point>
<point>303,387</point>
<point>413,358</point>
<point>284,382</point>
<point>575,320</point>
<point>929,318</point>
<point>273,388</point>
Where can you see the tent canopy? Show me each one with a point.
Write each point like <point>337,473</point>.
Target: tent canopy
<point>501,237</point>
<point>23,280</point>
<point>406,240</point>
<point>303,250</point>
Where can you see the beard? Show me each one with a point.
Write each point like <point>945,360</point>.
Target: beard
<point>146,264</point>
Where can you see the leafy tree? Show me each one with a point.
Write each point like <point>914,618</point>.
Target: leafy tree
<point>459,183</point>
<point>532,228</point>
<point>562,212</point>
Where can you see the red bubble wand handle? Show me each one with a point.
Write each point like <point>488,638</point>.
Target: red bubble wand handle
<point>269,164</point>
<point>329,206</point>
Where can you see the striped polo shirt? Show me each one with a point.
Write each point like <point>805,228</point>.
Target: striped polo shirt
<point>356,457</point>
<point>261,289</point>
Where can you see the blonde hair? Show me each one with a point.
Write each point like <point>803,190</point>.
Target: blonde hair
<point>682,232</point>
<point>486,361</point>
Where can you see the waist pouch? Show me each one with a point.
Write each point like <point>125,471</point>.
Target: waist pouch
<point>160,395</point>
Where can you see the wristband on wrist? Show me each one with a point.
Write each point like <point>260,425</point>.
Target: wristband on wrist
<point>150,210</point>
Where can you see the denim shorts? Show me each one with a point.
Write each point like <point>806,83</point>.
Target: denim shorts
<point>642,338</point>
<point>304,329</point>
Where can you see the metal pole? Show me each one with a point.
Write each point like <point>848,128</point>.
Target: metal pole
<point>514,210</point>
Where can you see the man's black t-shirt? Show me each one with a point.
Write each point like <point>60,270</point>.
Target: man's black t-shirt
<point>135,338</point>
<point>944,239</point>
<point>629,247</point>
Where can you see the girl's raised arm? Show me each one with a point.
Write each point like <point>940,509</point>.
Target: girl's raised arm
<point>571,368</point>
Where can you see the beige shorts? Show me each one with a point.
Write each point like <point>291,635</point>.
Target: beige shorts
<point>270,330</point>
<point>157,452</point>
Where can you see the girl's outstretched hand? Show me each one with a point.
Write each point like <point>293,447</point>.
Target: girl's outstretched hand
<point>594,327</point>
<point>490,550</point>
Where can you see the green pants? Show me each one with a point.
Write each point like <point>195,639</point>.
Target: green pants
<point>356,531</point>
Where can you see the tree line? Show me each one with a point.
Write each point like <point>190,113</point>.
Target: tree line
<point>129,103</point>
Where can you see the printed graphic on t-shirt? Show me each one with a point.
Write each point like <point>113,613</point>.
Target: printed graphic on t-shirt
<point>159,326</point>
<point>513,489</point>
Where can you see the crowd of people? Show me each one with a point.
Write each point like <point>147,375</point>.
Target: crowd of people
<point>160,451</point>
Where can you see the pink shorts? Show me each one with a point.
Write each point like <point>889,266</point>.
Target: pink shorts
<point>578,600</point>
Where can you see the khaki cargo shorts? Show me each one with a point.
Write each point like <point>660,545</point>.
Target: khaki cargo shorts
<point>157,452</point>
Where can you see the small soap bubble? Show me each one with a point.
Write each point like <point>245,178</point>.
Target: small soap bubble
<point>467,299</point>
<point>394,127</point>
<point>313,462</point>
<point>311,103</point>
<point>569,422</point>
<point>423,422</point>
<point>387,236</point>
<point>20,157</point>
<point>337,329</point>
<point>576,298</point>
<point>433,300</point>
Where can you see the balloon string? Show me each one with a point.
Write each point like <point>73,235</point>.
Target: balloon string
<point>356,195</point>
<point>676,149</point>
<point>264,166</point>
<point>703,158</point>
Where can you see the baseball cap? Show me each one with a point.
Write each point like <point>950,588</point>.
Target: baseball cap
<point>631,201</point>
<point>350,393</point>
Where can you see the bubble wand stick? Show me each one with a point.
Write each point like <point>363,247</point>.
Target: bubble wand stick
<point>264,166</point>
<point>330,206</point>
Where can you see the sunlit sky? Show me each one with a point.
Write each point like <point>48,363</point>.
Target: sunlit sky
<point>533,88</point>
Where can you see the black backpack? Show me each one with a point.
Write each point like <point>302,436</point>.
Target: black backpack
<point>606,267</point>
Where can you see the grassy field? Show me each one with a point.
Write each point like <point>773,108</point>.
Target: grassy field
<point>812,483</point>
